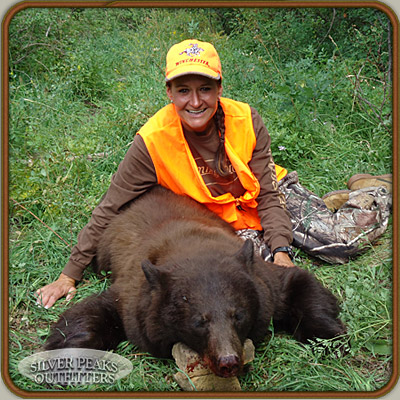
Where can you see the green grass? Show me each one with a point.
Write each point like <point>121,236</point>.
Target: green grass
<point>83,81</point>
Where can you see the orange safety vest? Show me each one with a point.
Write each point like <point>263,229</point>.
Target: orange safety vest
<point>176,168</point>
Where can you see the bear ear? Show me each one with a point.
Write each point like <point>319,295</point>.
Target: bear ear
<point>246,254</point>
<point>152,273</point>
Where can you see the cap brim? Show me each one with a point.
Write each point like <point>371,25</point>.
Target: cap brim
<point>193,71</point>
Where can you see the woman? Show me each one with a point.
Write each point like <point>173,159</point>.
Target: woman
<point>214,149</point>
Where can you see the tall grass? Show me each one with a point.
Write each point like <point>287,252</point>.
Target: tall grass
<point>83,81</point>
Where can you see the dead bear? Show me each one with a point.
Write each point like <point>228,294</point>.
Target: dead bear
<point>180,274</point>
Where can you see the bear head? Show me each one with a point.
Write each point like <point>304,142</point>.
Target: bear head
<point>210,302</point>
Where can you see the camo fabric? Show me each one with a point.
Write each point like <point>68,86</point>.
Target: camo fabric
<point>338,236</point>
<point>335,237</point>
<point>258,241</point>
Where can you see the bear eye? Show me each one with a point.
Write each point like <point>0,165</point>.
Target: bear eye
<point>239,315</point>
<point>201,321</point>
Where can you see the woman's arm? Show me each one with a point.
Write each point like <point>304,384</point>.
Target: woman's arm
<point>135,175</point>
<point>274,217</point>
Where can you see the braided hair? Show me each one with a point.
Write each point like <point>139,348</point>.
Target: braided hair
<point>221,159</point>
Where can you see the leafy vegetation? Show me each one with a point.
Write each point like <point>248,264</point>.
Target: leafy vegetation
<point>82,81</point>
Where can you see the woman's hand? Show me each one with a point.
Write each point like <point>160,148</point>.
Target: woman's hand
<point>282,258</point>
<point>49,294</point>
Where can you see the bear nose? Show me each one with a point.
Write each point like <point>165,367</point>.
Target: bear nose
<point>228,365</point>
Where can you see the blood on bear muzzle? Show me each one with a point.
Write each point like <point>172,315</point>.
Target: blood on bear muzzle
<point>225,366</point>
<point>228,366</point>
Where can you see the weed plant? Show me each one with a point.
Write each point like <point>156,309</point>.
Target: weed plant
<point>82,81</point>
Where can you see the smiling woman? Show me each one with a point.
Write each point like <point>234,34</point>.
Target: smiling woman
<point>196,101</point>
<point>199,131</point>
<point>194,83</point>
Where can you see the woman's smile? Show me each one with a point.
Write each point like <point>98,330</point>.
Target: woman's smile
<point>196,100</point>
<point>197,111</point>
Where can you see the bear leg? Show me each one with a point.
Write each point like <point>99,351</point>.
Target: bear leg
<point>93,323</point>
<point>310,310</point>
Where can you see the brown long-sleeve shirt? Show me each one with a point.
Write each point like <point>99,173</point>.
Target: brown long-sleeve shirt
<point>136,174</point>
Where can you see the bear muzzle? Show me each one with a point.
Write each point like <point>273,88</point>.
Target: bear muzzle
<point>228,365</point>
<point>224,365</point>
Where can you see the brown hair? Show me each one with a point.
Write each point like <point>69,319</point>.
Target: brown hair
<point>221,159</point>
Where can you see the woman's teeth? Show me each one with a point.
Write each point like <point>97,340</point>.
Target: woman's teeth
<point>196,112</point>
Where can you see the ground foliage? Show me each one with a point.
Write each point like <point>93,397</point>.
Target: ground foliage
<point>82,81</point>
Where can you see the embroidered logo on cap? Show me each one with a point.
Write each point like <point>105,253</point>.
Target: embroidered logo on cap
<point>192,57</point>
<point>192,51</point>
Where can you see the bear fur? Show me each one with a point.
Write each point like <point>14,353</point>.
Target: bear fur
<point>181,274</point>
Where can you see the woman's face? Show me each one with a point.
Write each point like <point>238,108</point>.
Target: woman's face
<point>196,100</point>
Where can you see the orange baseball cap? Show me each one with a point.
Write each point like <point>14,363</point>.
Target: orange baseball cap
<point>193,57</point>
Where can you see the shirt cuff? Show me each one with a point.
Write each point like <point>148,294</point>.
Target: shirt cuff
<point>74,270</point>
